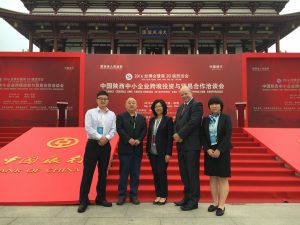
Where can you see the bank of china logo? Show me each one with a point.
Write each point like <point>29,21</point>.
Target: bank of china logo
<point>128,76</point>
<point>63,142</point>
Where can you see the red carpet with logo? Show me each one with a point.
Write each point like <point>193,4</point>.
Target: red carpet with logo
<point>44,166</point>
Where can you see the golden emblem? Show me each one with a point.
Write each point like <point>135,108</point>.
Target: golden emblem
<point>63,142</point>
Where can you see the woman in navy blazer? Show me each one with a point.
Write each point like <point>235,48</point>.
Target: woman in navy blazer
<point>216,139</point>
<point>159,148</point>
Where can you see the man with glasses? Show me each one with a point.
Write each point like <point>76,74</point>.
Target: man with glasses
<point>100,126</point>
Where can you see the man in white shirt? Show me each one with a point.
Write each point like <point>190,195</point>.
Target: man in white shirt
<point>100,126</point>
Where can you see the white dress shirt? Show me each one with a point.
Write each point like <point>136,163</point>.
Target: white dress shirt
<point>98,118</point>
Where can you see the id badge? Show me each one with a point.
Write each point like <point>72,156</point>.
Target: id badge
<point>213,139</point>
<point>100,130</point>
<point>153,139</point>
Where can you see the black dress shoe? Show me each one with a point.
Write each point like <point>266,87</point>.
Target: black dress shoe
<point>104,203</point>
<point>212,208</point>
<point>220,212</point>
<point>188,207</point>
<point>134,200</point>
<point>181,202</point>
<point>121,200</point>
<point>155,202</point>
<point>82,208</point>
<point>162,203</point>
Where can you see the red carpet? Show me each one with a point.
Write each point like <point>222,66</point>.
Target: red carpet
<point>8,134</point>
<point>43,166</point>
<point>256,176</point>
<point>283,142</point>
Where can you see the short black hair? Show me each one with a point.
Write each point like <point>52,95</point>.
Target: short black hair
<point>102,92</point>
<point>216,100</point>
<point>163,104</point>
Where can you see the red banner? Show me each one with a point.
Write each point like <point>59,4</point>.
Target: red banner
<point>31,84</point>
<point>148,77</point>
<point>273,91</point>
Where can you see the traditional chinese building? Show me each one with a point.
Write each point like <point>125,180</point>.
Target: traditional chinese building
<point>153,26</point>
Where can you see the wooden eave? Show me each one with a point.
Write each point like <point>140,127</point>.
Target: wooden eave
<point>7,14</point>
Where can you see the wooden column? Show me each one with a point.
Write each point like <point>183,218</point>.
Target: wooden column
<point>168,46</point>
<point>225,51</point>
<point>243,45</point>
<point>196,42</point>
<point>218,45</point>
<point>63,42</point>
<point>84,39</point>
<point>278,40</point>
<point>253,44</point>
<point>112,39</point>
<point>55,39</point>
<point>90,42</point>
<point>112,45</point>
<point>42,45</point>
<point>30,38</point>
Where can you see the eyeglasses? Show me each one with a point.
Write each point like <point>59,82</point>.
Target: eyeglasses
<point>102,99</point>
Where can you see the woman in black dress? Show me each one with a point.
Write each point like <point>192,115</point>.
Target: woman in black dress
<point>159,148</point>
<point>216,139</point>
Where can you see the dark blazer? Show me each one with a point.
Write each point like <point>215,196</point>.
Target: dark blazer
<point>163,138</point>
<point>127,130</point>
<point>188,125</point>
<point>224,131</point>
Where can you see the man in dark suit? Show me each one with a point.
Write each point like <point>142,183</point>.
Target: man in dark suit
<point>187,130</point>
<point>131,128</point>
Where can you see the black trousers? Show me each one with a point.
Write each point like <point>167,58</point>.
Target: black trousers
<point>159,170</point>
<point>130,164</point>
<point>94,153</point>
<point>189,171</point>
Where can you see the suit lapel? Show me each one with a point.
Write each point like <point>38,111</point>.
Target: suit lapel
<point>137,119</point>
<point>162,123</point>
<point>220,122</point>
<point>129,118</point>
<point>179,114</point>
<point>151,125</point>
<point>186,109</point>
<point>207,128</point>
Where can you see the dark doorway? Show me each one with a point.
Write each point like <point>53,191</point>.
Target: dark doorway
<point>206,50</point>
<point>179,50</point>
<point>102,49</point>
<point>128,50</point>
<point>154,50</point>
